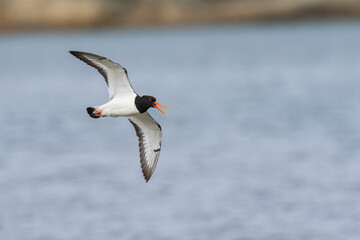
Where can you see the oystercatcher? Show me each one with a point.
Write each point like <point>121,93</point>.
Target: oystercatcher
<point>125,102</point>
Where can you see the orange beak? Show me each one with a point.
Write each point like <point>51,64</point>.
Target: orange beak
<point>156,106</point>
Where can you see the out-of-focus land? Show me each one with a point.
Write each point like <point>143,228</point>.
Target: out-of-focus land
<point>62,14</point>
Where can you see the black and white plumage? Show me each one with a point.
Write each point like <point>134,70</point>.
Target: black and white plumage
<point>125,102</point>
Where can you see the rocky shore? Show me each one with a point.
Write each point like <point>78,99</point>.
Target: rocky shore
<point>64,14</point>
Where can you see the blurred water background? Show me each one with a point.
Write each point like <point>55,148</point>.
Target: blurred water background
<point>261,141</point>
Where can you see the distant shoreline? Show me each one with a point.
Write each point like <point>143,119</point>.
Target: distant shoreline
<point>18,15</point>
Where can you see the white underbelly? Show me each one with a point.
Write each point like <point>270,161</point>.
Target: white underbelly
<point>119,107</point>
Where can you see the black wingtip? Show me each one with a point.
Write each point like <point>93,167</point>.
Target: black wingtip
<point>74,53</point>
<point>147,178</point>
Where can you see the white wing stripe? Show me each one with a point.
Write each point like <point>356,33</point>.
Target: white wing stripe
<point>149,133</point>
<point>115,75</point>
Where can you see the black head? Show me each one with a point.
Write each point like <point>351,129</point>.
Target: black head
<point>145,102</point>
<point>149,99</point>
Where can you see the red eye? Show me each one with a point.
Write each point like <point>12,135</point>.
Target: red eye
<point>150,99</point>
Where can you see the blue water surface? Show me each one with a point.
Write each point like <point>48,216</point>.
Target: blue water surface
<point>261,141</point>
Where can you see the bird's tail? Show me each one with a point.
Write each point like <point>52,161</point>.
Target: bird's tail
<point>91,111</point>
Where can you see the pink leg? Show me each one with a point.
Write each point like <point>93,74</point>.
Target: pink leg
<point>98,113</point>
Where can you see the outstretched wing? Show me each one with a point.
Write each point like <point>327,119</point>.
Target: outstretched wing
<point>115,75</point>
<point>149,133</point>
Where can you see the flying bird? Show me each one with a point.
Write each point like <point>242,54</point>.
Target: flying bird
<point>124,102</point>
